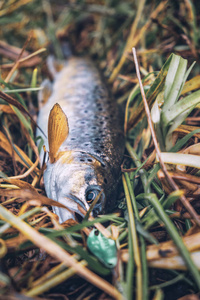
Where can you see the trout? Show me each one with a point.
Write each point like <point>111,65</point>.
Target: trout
<point>84,137</point>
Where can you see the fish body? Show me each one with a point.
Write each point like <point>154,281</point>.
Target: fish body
<point>89,158</point>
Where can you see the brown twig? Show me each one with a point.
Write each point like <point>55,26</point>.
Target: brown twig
<point>170,181</point>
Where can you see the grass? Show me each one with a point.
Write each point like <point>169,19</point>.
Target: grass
<point>157,221</point>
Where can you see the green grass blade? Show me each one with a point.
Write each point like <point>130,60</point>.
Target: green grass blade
<point>169,93</point>
<point>181,106</point>
<point>171,229</point>
<point>183,141</point>
<point>31,89</point>
<point>135,244</point>
<point>34,78</point>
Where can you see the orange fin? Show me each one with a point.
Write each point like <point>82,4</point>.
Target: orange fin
<point>58,131</point>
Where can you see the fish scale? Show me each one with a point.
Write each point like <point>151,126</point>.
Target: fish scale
<point>92,153</point>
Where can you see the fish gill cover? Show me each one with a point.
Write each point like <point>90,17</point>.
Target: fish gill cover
<point>155,222</point>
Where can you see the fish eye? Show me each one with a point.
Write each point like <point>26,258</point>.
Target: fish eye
<point>91,195</point>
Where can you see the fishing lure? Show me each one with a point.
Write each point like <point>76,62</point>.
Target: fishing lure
<point>85,138</point>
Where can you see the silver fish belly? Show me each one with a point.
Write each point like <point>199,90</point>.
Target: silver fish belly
<point>90,157</point>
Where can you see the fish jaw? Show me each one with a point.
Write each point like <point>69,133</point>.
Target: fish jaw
<point>55,191</point>
<point>66,184</point>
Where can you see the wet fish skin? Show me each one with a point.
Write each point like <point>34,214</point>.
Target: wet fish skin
<point>90,157</point>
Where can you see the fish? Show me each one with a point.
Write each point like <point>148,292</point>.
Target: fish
<point>84,136</point>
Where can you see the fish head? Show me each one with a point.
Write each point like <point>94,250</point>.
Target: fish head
<point>75,180</point>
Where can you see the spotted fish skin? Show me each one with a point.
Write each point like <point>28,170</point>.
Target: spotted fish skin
<point>91,156</point>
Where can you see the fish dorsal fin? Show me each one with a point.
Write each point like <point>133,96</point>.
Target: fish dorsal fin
<point>58,131</point>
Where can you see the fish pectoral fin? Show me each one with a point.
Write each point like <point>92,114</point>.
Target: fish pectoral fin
<point>58,131</point>
<point>44,93</point>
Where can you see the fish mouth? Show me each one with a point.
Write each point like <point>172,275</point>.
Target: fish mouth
<point>78,213</point>
<point>71,212</point>
<point>77,200</point>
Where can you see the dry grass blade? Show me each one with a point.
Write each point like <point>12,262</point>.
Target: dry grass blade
<point>129,40</point>
<point>132,41</point>
<point>28,61</point>
<point>175,262</point>
<point>28,172</point>
<point>170,181</point>
<point>19,183</point>
<point>48,284</point>
<point>15,103</point>
<point>13,7</point>
<point>57,252</point>
<point>16,64</point>
<point>19,154</point>
<point>28,192</point>
<point>168,249</point>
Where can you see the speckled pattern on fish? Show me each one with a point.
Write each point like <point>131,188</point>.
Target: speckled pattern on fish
<point>94,147</point>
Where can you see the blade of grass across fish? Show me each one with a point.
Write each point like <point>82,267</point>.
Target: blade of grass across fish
<point>171,229</point>
<point>18,105</point>
<point>82,225</point>
<point>57,252</point>
<point>92,206</point>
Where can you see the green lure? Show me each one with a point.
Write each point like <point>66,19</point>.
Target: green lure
<point>103,248</point>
